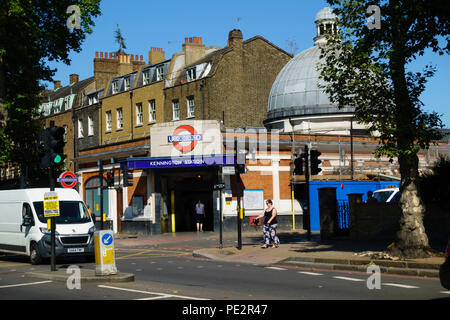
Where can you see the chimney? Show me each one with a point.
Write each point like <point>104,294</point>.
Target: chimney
<point>57,85</point>
<point>73,78</point>
<point>235,38</point>
<point>155,55</point>
<point>193,49</point>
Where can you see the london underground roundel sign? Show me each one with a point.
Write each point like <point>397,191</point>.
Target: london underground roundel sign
<point>182,141</point>
<point>68,179</point>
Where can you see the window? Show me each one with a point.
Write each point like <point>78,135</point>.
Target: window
<point>127,83</point>
<point>191,74</point>
<point>159,73</point>
<point>190,107</point>
<point>137,203</point>
<point>65,133</point>
<point>57,106</point>
<point>90,126</point>
<point>119,119</point>
<point>176,110</point>
<point>115,87</point>
<point>108,121</point>
<point>139,114</point>
<point>152,111</point>
<point>80,128</point>
<point>66,103</point>
<point>146,77</point>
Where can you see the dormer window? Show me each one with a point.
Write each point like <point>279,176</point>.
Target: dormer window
<point>159,73</point>
<point>191,74</point>
<point>115,87</point>
<point>127,84</point>
<point>146,77</point>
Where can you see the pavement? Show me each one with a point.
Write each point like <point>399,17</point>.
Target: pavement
<point>337,254</point>
<point>295,250</point>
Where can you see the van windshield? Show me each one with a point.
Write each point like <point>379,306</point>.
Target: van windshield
<point>69,212</point>
<point>382,196</point>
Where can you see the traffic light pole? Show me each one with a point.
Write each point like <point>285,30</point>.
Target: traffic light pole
<point>52,225</point>
<point>307,177</point>
<point>100,164</point>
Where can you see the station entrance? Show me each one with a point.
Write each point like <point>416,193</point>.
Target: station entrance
<point>181,189</point>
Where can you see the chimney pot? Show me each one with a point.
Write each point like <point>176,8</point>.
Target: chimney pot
<point>200,41</point>
<point>101,55</point>
<point>195,40</point>
<point>185,40</point>
<point>96,54</point>
<point>142,58</point>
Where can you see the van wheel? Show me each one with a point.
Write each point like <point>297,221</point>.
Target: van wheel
<point>35,257</point>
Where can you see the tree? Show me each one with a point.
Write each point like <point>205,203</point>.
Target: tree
<point>367,69</point>
<point>33,32</point>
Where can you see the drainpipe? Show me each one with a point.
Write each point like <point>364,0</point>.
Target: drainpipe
<point>131,109</point>
<point>202,89</point>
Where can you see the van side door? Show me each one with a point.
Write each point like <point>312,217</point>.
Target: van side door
<point>27,222</point>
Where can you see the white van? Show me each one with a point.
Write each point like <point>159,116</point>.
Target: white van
<point>387,195</point>
<point>23,227</point>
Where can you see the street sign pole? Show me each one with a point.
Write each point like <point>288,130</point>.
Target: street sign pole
<point>52,225</point>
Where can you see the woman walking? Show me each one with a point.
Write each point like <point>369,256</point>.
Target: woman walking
<point>270,225</point>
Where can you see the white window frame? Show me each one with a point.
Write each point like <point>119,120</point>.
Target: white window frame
<point>146,77</point>
<point>151,111</point>
<point>175,110</point>
<point>80,128</point>
<point>115,87</point>
<point>190,107</point>
<point>119,119</point>
<point>159,73</point>
<point>65,133</point>
<point>191,74</point>
<point>127,83</point>
<point>139,114</point>
<point>108,121</point>
<point>90,126</point>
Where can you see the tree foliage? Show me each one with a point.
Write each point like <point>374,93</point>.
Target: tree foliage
<point>368,69</point>
<point>32,33</point>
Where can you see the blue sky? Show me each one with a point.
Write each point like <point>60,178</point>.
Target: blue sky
<point>145,24</point>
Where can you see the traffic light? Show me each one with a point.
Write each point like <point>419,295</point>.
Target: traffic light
<point>240,158</point>
<point>110,178</point>
<point>51,146</point>
<point>298,165</point>
<point>127,177</point>
<point>314,156</point>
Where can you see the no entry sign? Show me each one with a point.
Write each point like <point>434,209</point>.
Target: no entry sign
<point>68,179</point>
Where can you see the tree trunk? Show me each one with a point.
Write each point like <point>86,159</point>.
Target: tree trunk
<point>411,241</point>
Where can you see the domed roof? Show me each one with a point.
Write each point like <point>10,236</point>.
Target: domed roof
<point>296,91</point>
<point>325,14</point>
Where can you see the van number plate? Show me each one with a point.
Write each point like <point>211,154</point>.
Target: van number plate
<point>75,250</point>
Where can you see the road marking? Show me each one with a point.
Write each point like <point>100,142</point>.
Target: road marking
<point>160,295</point>
<point>310,273</point>
<point>400,285</point>
<point>23,284</point>
<point>445,292</point>
<point>349,279</point>
<point>276,268</point>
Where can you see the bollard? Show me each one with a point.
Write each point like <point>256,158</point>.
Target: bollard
<point>104,253</point>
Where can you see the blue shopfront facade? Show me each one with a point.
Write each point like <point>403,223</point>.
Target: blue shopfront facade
<point>343,189</point>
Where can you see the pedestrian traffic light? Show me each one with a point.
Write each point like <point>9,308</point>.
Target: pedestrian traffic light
<point>314,156</point>
<point>110,178</point>
<point>298,165</point>
<point>51,146</point>
<point>127,177</point>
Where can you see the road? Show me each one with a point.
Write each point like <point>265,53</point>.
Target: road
<point>168,271</point>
